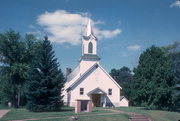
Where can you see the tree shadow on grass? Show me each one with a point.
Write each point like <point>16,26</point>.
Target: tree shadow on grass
<point>67,110</point>
<point>173,110</point>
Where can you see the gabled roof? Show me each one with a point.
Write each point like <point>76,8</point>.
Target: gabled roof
<point>90,70</point>
<point>82,76</point>
<point>122,97</point>
<point>96,91</point>
<point>73,74</point>
<point>110,77</point>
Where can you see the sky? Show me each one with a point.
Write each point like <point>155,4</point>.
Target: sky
<point>124,28</point>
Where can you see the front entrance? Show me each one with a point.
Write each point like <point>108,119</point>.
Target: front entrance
<point>84,105</point>
<point>96,99</point>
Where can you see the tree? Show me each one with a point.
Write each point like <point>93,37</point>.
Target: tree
<point>173,53</point>
<point>123,77</point>
<point>45,81</point>
<point>154,81</point>
<point>14,64</point>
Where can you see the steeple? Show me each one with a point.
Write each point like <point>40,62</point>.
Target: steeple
<point>89,30</point>
<point>89,43</point>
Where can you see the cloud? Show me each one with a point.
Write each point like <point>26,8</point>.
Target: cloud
<point>65,27</point>
<point>106,33</point>
<point>134,47</point>
<point>37,33</point>
<point>175,4</point>
<point>32,26</point>
<point>124,54</point>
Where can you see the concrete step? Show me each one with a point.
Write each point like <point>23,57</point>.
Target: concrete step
<point>138,118</point>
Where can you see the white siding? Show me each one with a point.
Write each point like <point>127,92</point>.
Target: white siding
<point>124,103</point>
<point>97,79</point>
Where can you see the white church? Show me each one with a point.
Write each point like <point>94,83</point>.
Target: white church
<point>89,81</point>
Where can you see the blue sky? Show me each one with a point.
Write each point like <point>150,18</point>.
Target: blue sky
<point>125,28</point>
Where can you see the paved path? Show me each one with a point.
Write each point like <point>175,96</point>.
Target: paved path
<point>3,112</point>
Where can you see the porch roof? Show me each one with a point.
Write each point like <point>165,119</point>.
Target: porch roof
<point>96,91</point>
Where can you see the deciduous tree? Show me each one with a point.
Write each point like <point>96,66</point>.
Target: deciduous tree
<point>154,81</point>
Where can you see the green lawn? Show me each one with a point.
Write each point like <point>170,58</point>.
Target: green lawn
<point>155,115</point>
<point>20,114</point>
<point>96,115</point>
<point>90,117</point>
<point>3,107</point>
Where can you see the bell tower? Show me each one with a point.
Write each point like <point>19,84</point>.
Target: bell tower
<point>89,41</point>
<point>89,49</point>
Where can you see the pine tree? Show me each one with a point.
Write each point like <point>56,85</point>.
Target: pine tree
<point>45,81</point>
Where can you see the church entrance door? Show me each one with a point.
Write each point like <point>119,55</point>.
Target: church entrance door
<point>96,99</point>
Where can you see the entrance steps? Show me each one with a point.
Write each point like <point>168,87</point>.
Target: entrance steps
<point>136,117</point>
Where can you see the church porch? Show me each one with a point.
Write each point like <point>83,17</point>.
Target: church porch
<point>98,97</point>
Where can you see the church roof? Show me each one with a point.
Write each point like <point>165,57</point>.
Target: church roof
<point>90,70</point>
<point>122,97</point>
<point>96,91</point>
<point>73,74</point>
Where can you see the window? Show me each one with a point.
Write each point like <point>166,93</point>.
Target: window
<point>81,91</point>
<point>83,48</point>
<point>90,47</point>
<point>109,91</point>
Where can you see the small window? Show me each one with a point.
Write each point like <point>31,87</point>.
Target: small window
<point>90,47</point>
<point>109,91</point>
<point>81,91</point>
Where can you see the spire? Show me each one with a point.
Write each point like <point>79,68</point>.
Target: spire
<point>89,30</point>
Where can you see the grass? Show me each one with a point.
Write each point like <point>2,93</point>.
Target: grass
<point>20,114</point>
<point>96,115</point>
<point>83,117</point>
<point>155,115</point>
<point>3,107</point>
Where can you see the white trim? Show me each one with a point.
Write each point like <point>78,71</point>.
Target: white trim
<point>98,88</point>
<point>82,76</point>
<point>110,77</point>
<point>96,64</point>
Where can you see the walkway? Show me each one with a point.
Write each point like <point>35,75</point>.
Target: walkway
<point>3,112</point>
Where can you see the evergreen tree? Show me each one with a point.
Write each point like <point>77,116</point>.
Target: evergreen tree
<point>45,81</point>
<point>154,82</point>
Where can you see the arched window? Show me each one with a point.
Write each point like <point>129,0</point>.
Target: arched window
<point>90,47</point>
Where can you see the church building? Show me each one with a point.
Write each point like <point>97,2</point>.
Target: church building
<point>89,81</point>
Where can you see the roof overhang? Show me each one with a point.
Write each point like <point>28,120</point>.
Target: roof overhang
<point>96,91</point>
<point>90,70</point>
